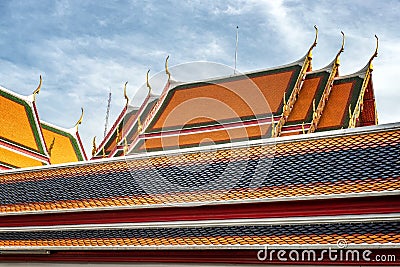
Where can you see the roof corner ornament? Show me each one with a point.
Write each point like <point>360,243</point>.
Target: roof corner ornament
<point>94,149</point>
<point>314,109</point>
<point>37,90</point>
<point>272,126</point>
<point>125,146</point>
<point>374,55</point>
<point>147,81</point>
<point>285,104</point>
<point>51,146</point>
<point>79,121</point>
<point>309,54</point>
<point>125,95</point>
<point>140,126</point>
<point>166,68</point>
<point>104,152</point>
<point>118,137</point>
<point>337,61</point>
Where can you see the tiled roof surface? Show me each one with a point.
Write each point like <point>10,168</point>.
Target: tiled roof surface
<point>17,122</point>
<point>312,89</point>
<point>206,137</point>
<point>357,163</point>
<point>312,234</point>
<point>344,95</point>
<point>226,100</point>
<point>13,159</point>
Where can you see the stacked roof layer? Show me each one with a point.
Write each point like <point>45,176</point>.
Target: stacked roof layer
<point>298,191</point>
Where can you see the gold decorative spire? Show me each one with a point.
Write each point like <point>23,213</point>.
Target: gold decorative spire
<point>79,121</point>
<point>166,68</point>
<point>374,55</point>
<point>125,95</point>
<point>51,146</point>
<point>334,72</point>
<point>302,128</point>
<point>94,149</point>
<point>125,146</point>
<point>337,61</point>
<point>350,111</point>
<point>118,138</point>
<point>140,126</point>
<point>104,152</point>
<point>272,126</point>
<point>309,54</point>
<point>37,90</point>
<point>147,81</point>
<point>313,106</point>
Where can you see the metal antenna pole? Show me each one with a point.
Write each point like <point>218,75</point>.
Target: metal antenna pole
<point>108,113</point>
<point>236,48</point>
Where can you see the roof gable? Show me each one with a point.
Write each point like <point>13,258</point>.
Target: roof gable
<point>343,98</point>
<point>18,123</point>
<point>63,146</point>
<point>225,100</point>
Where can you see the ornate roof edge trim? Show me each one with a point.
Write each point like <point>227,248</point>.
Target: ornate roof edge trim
<point>32,97</point>
<point>266,141</point>
<point>126,109</point>
<point>288,107</point>
<point>333,69</point>
<point>297,220</point>
<point>336,61</point>
<point>46,249</point>
<point>150,98</point>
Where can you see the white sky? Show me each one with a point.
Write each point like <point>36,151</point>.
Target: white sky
<point>85,48</point>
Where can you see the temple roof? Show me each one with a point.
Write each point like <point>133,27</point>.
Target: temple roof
<point>286,100</point>
<point>21,138</point>
<point>296,192</point>
<point>321,164</point>
<point>25,141</point>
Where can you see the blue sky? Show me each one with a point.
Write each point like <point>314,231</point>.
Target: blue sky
<point>85,48</point>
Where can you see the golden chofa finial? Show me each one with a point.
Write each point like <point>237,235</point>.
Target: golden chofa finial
<point>374,55</point>
<point>37,89</point>
<point>51,146</point>
<point>166,68</point>
<point>125,146</point>
<point>125,95</point>
<point>79,121</point>
<point>94,148</point>
<point>337,61</point>
<point>140,126</point>
<point>147,81</point>
<point>309,54</point>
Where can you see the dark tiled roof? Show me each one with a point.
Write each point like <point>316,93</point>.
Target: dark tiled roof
<point>356,163</point>
<point>311,234</point>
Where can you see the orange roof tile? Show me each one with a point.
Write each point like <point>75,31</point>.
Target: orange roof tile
<point>17,122</point>
<point>226,100</point>
<point>205,137</point>
<point>14,159</point>
<point>344,94</point>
